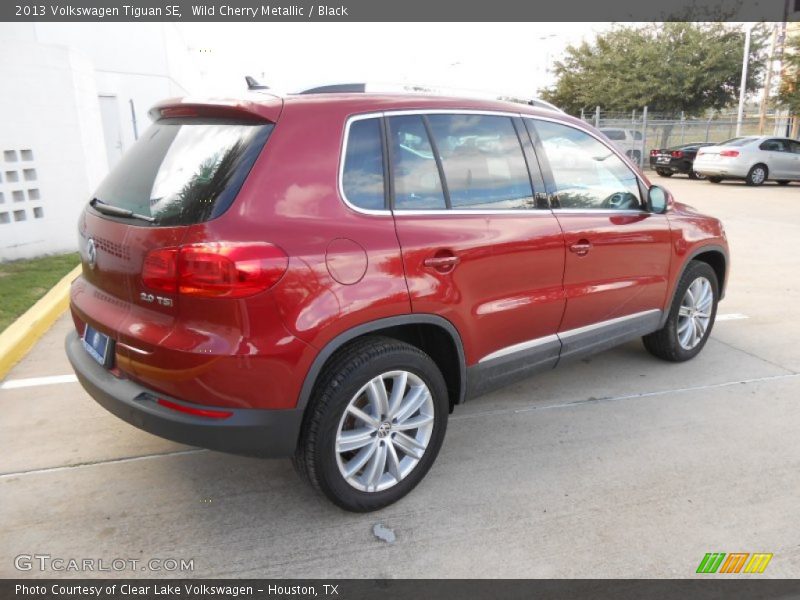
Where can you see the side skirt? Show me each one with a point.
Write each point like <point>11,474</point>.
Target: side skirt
<point>515,363</point>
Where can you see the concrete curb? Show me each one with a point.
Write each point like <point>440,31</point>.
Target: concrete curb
<point>23,333</point>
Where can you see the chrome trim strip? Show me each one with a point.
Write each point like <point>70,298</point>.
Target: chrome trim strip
<point>521,347</point>
<point>526,212</point>
<point>602,324</point>
<point>601,211</point>
<point>133,349</point>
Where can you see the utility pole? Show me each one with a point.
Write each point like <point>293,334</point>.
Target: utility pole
<point>748,29</point>
<point>762,115</point>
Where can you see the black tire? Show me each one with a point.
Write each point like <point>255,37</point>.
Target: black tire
<point>664,343</point>
<point>715,179</point>
<point>753,175</point>
<point>664,173</point>
<point>696,175</point>
<point>783,182</point>
<point>316,457</point>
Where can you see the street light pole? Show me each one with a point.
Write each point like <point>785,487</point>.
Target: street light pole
<point>747,31</point>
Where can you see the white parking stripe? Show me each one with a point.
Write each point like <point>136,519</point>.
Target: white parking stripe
<point>15,384</point>
<point>731,317</point>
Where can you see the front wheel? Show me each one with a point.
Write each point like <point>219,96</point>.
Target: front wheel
<point>375,425</point>
<point>715,179</point>
<point>756,175</point>
<point>696,175</point>
<point>691,316</point>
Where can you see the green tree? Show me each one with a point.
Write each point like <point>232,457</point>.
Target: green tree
<point>789,90</point>
<point>669,67</point>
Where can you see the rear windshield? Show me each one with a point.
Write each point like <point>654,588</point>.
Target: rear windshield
<point>184,171</point>
<point>740,141</point>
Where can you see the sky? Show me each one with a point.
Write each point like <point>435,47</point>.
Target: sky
<point>500,58</point>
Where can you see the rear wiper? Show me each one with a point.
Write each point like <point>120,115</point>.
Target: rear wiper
<point>116,211</point>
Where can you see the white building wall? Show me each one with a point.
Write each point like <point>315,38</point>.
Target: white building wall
<point>52,146</point>
<point>53,75</point>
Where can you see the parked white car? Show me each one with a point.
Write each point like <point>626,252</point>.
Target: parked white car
<point>755,159</point>
<point>628,141</point>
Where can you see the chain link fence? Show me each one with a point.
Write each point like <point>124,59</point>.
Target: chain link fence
<point>637,132</point>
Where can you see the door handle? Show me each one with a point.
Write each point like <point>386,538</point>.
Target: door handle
<point>442,263</point>
<point>581,247</point>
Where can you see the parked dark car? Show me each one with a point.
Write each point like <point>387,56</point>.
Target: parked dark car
<point>678,159</point>
<point>327,276</point>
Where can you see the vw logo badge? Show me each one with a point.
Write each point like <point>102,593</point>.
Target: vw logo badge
<point>91,253</point>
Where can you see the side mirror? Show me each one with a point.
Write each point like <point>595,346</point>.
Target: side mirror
<point>659,199</point>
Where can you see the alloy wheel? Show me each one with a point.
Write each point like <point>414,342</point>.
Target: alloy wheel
<point>384,431</point>
<point>694,314</point>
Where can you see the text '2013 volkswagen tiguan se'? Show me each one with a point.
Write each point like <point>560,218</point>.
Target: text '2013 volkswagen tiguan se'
<point>326,276</point>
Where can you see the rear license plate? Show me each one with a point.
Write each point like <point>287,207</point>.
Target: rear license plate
<point>663,159</point>
<point>97,344</point>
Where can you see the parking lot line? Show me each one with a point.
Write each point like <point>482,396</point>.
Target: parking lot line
<point>16,384</point>
<point>125,459</point>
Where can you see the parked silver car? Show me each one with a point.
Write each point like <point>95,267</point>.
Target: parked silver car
<point>755,159</point>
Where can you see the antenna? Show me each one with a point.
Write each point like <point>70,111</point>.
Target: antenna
<point>253,84</point>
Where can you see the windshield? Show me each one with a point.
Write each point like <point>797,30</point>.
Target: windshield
<point>184,171</point>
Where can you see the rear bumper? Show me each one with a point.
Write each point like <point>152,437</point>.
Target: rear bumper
<point>721,168</point>
<point>252,432</point>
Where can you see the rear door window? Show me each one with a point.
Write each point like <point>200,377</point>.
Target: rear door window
<point>184,171</point>
<point>482,160</point>
<point>415,174</point>
<point>362,177</point>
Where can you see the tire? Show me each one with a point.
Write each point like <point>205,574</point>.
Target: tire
<point>715,179</point>
<point>664,173</point>
<point>668,342</point>
<point>696,175</point>
<point>783,182</point>
<point>757,174</point>
<point>344,384</point>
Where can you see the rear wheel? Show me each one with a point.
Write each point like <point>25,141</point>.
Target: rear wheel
<point>691,316</point>
<point>375,424</point>
<point>784,182</point>
<point>664,173</point>
<point>715,179</point>
<point>756,175</point>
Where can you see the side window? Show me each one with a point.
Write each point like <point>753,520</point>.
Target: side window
<point>362,176</point>
<point>586,173</point>
<point>773,146</point>
<point>417,185</point>
<point>482,160</point>
<point>637,135</point>
<point>614,134</point>
<point>794,147</point>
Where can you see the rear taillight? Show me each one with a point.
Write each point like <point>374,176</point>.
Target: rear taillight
<point>653,152</point>
<point>677,154</point>
<point>729,153</point>
<point>160,272</point>
<point>215,270</point>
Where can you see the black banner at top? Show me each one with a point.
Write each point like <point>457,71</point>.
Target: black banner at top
<point>398,10</point>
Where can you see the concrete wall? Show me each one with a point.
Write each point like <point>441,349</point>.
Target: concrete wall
<point>71,92</point>
<point>52,146</point>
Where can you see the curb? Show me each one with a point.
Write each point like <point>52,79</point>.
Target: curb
<point>22,334</point>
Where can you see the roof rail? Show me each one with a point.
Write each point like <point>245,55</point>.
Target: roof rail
<point>399,88</point>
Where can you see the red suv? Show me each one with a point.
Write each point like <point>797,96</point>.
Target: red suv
<point>325,276</point>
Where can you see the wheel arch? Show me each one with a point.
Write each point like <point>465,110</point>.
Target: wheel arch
<point>434,335</point>
<point>714,256</point>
